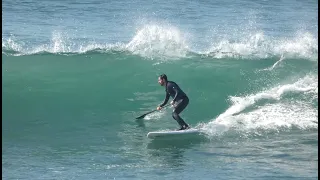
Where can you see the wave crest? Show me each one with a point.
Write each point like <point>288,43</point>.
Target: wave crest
<point>158,41</point>
<point>168,42</point>
<point>257,45</point>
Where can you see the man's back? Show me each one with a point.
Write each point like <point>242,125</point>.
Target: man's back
<point>171,87</point>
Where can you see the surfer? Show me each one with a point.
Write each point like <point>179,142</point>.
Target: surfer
<point>180,99</point>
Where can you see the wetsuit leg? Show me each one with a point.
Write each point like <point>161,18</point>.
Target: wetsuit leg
<point>177,110</point>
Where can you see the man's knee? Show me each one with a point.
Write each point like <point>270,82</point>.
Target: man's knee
<point>175,115</point>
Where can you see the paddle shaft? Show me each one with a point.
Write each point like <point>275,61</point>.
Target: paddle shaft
<point>142,116</point>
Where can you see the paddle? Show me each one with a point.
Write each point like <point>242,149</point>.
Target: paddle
<point>144,115</point>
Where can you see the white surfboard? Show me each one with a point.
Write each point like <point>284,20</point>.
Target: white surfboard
<point>155,134</point>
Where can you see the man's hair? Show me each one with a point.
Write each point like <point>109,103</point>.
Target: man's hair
<point>163,76</point>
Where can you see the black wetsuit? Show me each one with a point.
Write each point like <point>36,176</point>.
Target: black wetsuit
<point>180,99</point>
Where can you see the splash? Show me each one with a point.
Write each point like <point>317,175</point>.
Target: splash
<point>275,64</point>
<point>168,42</point>
<point>302,45</point>
<point>151,41</point>
<point>257,45</point>
<point>60,43</point>
<point>158,41</point>
<point>250,46</point>
<point>11,44</point>
<point>156,115</point>
<point>269,110</point>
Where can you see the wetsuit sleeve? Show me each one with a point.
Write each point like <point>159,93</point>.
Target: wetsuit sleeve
<point>165,100</point>
<point>176,95</point>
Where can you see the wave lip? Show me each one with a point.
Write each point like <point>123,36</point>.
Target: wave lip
<point>168,42</point>
<point>257,45</point>
<point>303,45</point>
<point>151,41</point>
<point>60,43</point>
<point>159,41</point>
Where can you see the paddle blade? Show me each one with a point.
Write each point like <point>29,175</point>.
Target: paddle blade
<point>142,116</point>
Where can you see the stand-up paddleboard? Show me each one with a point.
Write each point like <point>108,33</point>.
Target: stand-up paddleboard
<point>172,133</point>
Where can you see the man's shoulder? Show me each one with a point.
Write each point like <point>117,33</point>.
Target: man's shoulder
<point>171,83</point>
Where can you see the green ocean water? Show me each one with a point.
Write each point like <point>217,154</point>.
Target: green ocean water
<point>80,109</point>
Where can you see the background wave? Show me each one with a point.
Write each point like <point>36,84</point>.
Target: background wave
<point>168,42</point>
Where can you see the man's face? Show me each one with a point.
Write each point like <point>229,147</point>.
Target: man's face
<point>161,81</point>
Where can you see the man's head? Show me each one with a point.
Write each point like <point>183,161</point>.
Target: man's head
<point>162,80</point>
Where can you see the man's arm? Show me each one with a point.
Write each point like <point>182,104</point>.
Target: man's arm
<point>176,95</point>
<point>165,100</point>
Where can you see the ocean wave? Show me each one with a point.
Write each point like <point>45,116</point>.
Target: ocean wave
<point>168,42</point>
<point>257,45</point>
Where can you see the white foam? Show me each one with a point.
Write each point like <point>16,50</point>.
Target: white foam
<point>60,43</point>
<point>246,47</point>
<point>161,41</point>
<point>302,45</point>
<point>270,115</point>
<point>273,117</point>
<point>257,45</point>
<point>169,42</point>
<point>11,44</point>
<point>158,41</point>
<point>155,116</point>
<point>275,64</point>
